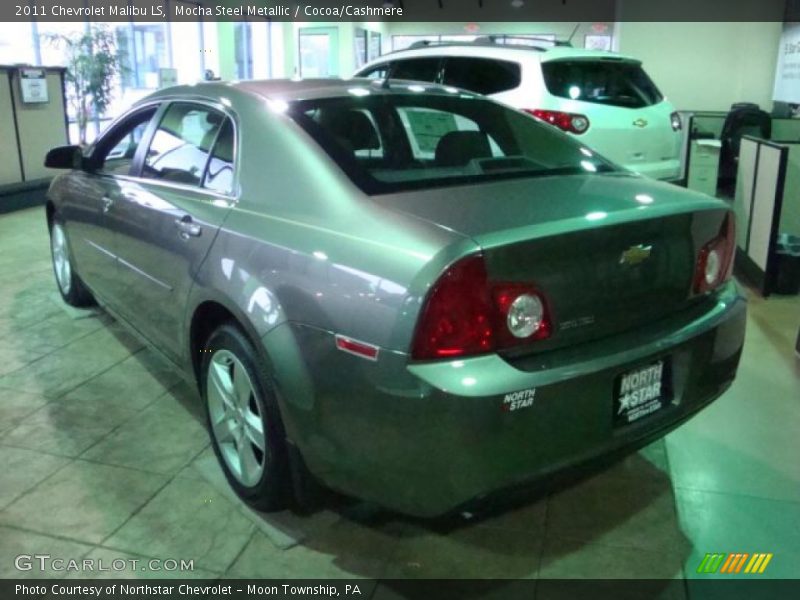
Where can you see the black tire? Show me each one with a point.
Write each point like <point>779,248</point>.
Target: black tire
<point>71,287</point>
<point>272,491</point>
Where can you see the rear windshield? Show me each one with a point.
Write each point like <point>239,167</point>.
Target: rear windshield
<point>401,141</point>
<point>611,82</point>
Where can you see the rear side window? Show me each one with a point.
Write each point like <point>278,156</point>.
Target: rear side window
<point>614,83</point>
<point>219,173</point>
<point>417,69</point>
<point>182,143</point>
<point>482,75</point>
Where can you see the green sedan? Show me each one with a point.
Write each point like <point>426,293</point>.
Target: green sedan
<point>407,292</point>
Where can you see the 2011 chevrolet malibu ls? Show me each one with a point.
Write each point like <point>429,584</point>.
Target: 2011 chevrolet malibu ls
<point>410,293</point>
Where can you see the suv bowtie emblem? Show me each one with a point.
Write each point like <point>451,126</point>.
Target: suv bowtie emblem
<point>635,255</point>
<point>640,123</point>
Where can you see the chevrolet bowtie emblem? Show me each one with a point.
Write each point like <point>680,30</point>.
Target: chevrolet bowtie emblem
<point>640,123</point>
<point>635,255</point>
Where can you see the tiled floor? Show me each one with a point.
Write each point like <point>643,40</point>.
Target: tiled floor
<point>103,455</point>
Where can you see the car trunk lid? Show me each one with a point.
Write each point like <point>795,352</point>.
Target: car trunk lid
<point>609,252</point>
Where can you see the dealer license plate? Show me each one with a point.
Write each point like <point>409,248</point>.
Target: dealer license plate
<point>642,392</point>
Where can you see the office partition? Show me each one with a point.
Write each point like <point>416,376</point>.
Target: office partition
<point>758,204</point>
<point>32,120</point>
<point>42,125</point>
<point>10,170</point>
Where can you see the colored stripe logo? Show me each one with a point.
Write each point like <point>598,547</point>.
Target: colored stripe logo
<point>734,563</point>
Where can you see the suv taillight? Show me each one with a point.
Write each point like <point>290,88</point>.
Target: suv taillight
<point>715,260</point>
<point>675,120</point>
<point>570,122</point>
<point>465,314</point>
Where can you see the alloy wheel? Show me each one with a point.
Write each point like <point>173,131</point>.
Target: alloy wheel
<point>61,264</point>
<point>236,420</point>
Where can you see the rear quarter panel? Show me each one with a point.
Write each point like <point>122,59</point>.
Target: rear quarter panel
<point>303,244</point>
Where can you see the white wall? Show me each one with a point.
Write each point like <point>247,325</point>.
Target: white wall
<point>706,66</point>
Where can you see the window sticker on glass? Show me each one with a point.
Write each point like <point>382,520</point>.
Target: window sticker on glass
<point>427,127</point>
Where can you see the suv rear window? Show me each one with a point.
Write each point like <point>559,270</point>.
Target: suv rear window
<point>611,82</point>
<point>481,75</point>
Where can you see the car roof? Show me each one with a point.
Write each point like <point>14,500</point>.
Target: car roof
<point>501,51</point>
<point>289,90</point>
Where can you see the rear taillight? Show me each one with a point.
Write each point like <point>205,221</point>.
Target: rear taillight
<point>675,120</point>
<point>570,122</point>
<point>715,260</point>
<point>465,314</point>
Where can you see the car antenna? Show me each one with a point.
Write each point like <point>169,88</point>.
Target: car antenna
<point>572,35</point>
<point>385,82</point>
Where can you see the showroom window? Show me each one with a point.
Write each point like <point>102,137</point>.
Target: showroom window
<point>15,46</point>
<point>401,42</point>
<point>182,143</point>
<point>367,46</point>
<point>243,50</point>
<point>50,53</point>
<point>374,46</point>
<point>252,41</point>
<point>146,47</point>
<point>319,51</point>
<point>188,44</point>
<point>534,39</point>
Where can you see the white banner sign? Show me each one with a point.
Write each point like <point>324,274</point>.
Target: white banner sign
<point>787,75</point>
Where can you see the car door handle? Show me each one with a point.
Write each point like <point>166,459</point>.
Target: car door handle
<point>187,227</point>
<point>107,203</point>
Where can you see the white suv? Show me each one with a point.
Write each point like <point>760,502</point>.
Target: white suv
<point>604,99</point>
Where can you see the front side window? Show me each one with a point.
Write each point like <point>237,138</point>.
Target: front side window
<point>611,82</point>
<point>182,144</point>
<point>429,140</point>
<point>115,151</point>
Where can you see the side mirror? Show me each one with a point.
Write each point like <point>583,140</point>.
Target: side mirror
<point>64,157</point>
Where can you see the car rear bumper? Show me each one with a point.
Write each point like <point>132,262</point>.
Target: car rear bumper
<point>427,438</point>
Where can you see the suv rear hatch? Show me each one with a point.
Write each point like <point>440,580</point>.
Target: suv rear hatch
<point>630,122</point>
<point>608,252</point>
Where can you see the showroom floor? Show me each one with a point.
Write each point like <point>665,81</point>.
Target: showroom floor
<point>103,454</point>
